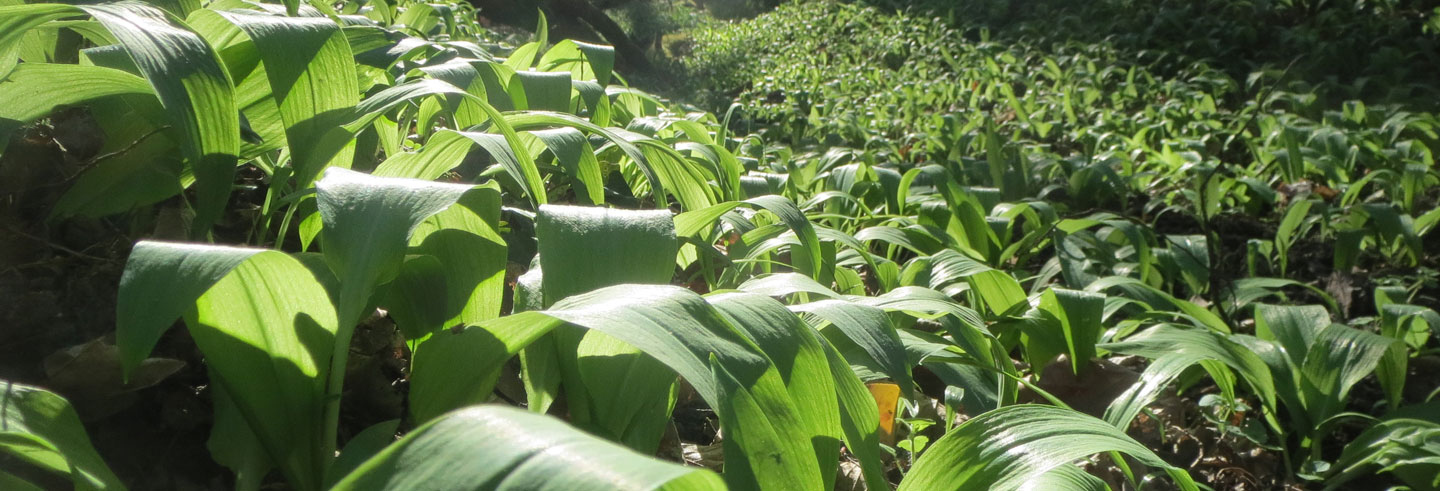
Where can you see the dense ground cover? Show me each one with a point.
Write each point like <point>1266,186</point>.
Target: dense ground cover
<point>265,245</point>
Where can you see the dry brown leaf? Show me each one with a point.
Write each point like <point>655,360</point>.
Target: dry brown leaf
<point>89,375</point>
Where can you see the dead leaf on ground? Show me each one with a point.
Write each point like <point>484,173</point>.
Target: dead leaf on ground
<point>1092,390</point>
<point>708,456</point>
<point>89,375</point>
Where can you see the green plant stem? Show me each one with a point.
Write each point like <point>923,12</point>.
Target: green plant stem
<point>284,226</point>
<point>334,382</point>
<point>1212,242</point>
<point>352,303</point>
<point>262,225</point>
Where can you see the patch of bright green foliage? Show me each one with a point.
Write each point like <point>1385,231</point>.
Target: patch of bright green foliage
<point>911,197</point>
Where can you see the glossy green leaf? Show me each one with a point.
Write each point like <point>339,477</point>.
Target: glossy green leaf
<point>810,262</point>
<point>82,83</point>
<point>1412,325</point>
<point>998,290</point>
<point>584,60</point>
<point>1293,327</point>
<point>781,284</point>
<point>1079,316</point>
<point>576,156</point>
<point>1340,357</point>
<point>539,453</point>
<point>233,300</point>
<point>1174,350</point>
<point>1004,448</point>
<point>870,329</point>
<point>459,368</point>
<point>40,427</point>
<point>541,91</point>
<point>802,363</point>
<point>275,376</point>
<point>183,72</point>
<point>1406,445</point>
<point>309,67</point>
<point>161,282</point>
<point>368,222</point>
<point>194,89</point>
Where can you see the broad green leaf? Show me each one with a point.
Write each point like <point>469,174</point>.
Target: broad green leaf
<point>541,91</point>
<point>40,427</point>
<point>1159,301</point>
<point>161,282</point>
<point>234,445</point>
<point>1294,327</point>
<point>1066,477</point>
<point>1338,359</point>
<point>443,152</point>
<point>82,84</point>
<point>181,69</point>
<point>998,290</point>
<point>18,20</point>
<point>1407,445</point>
<point>457,369</point>
<point>465,238</point>
<point>638,247</point>
<point>982,388</point>
<point>782,284</point>
<point>1004,448</point>
<point>142,165</point>
<point>664,168</point>
<point>809,260</point>
<point>1174,350</point>
<point>193,87</point>
<point>310,71</point>
<point>678,328</point>
<point>516,161</point>
<point>634,413</point>
<point>1412,325</point>
<point>535,452</point>
<point>523,168</point>
<point>539,364</point>
<point>913,238</point>
<point>1244,291</point>
<point>1284,234</point>
<point>871,329</point>
<point>416,298</point>
<point>802,363</point>
<point>584,61</point>
<point>267,329</point>
<point>524,56</point>
<point>578,159</point>
<point>859,419</point>
<point>368,222</point>
<point>1079,316</point>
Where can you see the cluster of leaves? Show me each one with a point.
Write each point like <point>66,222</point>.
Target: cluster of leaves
<point>407,162</point>
<point>1348,49</point>
<point>1197,142</point>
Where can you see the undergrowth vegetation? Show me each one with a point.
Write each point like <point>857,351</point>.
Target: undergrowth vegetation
<point>406,253</point>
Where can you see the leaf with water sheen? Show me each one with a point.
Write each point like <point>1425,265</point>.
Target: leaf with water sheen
<point>460,451</point>
<point>1004,448</point>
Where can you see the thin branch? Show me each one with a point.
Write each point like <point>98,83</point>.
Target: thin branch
<point>55,246</point>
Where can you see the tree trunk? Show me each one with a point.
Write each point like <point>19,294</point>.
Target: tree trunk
<point>575,13</point>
